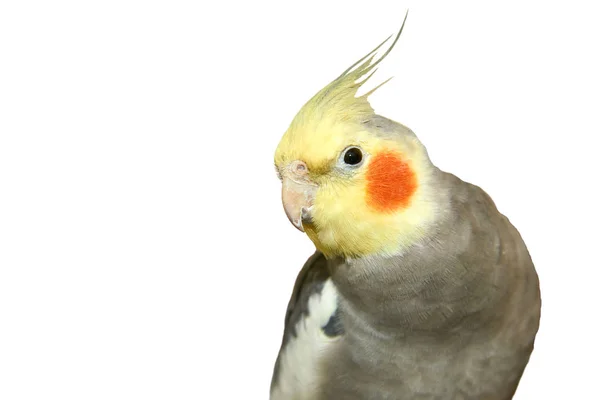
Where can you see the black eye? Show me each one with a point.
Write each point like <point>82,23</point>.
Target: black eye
<point>353,156</point>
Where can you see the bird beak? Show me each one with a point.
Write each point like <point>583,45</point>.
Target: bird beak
<point>298,194</point>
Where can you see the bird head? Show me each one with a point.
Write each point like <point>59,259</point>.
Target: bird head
<point>355,182</point>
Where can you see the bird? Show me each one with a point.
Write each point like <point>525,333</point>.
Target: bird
<point>419,288</point>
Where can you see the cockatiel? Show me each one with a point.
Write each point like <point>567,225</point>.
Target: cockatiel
<point>419,288</point>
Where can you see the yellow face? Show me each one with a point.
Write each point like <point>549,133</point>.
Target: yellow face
<point>353,190</point>
<point>356,188</point>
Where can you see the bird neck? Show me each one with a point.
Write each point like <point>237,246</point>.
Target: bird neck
<point>420,291</point>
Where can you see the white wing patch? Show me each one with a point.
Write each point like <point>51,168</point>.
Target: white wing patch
<point>298,369</point>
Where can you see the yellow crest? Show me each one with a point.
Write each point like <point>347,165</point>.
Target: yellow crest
<point>337,102</point>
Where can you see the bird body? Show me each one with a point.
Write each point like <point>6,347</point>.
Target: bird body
<point>419,289</point>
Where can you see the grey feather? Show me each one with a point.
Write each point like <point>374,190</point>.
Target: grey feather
<point>310,280</point>
<point>453,317</point>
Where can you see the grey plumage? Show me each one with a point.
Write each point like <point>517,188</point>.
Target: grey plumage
<point>310,280</point>
<point>423,289</point>
<point>453,317</point>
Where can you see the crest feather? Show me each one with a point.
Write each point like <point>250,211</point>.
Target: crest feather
<point>337,102</point>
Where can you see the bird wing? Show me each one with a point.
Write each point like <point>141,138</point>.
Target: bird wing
<point>311,324</point>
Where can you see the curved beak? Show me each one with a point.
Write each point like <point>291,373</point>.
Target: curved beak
<point>298,194</point>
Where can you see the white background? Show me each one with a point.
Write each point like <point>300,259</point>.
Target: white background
<point>144,253</point>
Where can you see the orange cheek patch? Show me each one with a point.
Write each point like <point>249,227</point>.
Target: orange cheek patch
<point>390,182</point>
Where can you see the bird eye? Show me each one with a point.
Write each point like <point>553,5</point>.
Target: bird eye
<point>353,156</point>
